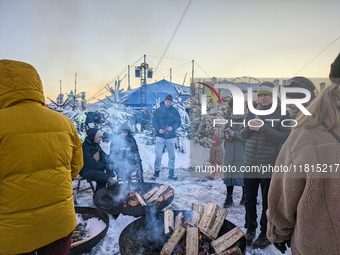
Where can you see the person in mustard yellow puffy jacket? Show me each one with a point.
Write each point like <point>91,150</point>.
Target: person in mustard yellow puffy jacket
<point>40,155</point>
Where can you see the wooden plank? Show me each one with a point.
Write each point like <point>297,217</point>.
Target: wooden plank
<point>191,247</point>
<point>208,217</point>
<point>168,221</point>
<point>227,240</point>
<point>218,223</point>
<point>150,193</point>
<point>173,241</point>
<point>196,213</point>
<point>178,219</point>
<point>140,199</point>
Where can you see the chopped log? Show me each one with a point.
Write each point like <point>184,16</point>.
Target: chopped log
<point>168,194</point>
<point>208,217</point>
<point>159,199</point>
<point>196,213</point>
<point>218,223</point>
<point>150,193</point>
<point>191,247</point>
<point>178,219</point>
<point>173,241</point>
<point>168,221</point>
<point>158,193</point>
<point>140,199</point>
<point>233,251</point>
<point>188,224</point>
<point>133,202</point>
<point>227,240</point>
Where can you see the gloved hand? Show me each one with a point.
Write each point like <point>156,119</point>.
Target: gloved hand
<point>282,246</point>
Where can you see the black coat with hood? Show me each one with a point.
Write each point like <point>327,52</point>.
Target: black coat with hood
<point>263,146</point>
<point>164,117</point>
<point>89,149</point>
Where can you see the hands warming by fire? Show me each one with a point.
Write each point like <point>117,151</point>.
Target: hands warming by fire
<point>166,130</point>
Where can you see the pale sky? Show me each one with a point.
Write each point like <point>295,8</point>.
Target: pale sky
<point>97,39</point>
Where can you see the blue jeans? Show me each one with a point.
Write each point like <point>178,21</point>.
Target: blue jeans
<point>170,145</point>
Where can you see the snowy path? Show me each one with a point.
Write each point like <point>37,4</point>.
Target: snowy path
<point>187,191</point>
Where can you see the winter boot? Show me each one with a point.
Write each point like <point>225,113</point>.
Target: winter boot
<point>261,242</point>
<point>172,175</point>
<point>228,202</point>
<point>250,235</point>
<point>155,175</point>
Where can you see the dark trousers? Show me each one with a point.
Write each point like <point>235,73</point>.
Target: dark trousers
<point>59,247</point>
<point>100,177</point>
<point>251,186</point>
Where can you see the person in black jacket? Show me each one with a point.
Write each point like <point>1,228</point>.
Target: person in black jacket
<point>264,138</point>
<point>125,155</point>
<point>97,118</point>
<point>95,160</point>
<point>165,121</point>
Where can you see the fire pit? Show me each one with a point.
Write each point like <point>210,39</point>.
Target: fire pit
<point>135,199</point>
<point>85,245</point>
<point>145,236</point>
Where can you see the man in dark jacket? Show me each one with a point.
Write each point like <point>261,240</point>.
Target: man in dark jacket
<point>97,118</point>
<point>95,160</point>
<point>165,121</point>
<point>265,136</point>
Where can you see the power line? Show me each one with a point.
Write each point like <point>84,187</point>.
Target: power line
<point>120,73</point>
<point>202,69</point>
<point>317,56</point>
<point>175,32</point>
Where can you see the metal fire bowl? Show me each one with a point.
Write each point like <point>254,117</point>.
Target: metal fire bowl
<point>89,212</point>
<point>145,236</point>
<point>135,211</point>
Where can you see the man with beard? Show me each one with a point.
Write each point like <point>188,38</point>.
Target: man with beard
<point>165,121</point>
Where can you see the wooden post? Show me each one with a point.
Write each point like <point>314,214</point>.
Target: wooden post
<point>173,241</point>
<point>191,247</point>
<point>178,219</point>
<point>208,217</point>
<point>196,213</point>
<point>227,240</point>
<point>168,222</point>
<point>218,223</point>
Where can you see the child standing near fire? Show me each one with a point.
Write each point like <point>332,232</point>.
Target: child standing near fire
<point>216,156</point>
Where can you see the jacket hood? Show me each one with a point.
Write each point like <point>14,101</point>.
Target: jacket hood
<point>19,81</point>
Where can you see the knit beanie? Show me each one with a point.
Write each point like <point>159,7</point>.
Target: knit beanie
<point>98,134</point>
<point>168,97</point>
<point>334,74</point>
<point>300,82</point>
<point>266,88</point>
<point>93,133</point>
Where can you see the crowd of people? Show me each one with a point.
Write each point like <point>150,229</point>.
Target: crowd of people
<point>299,208</point>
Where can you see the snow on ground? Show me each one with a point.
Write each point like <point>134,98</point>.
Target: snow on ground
<point>187,191</point>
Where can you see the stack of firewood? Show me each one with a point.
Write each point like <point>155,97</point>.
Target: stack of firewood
<point>157,194</point>
<point>203,223</point>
